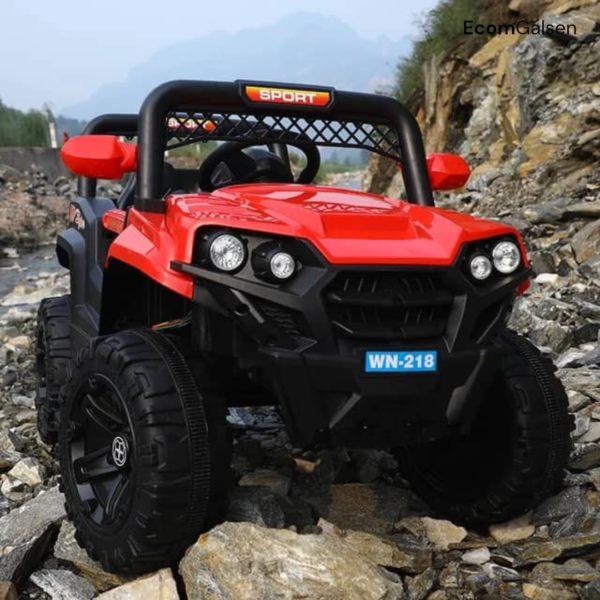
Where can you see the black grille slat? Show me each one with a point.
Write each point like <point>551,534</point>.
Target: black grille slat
<point>281,316</point>
<point>404,306</point>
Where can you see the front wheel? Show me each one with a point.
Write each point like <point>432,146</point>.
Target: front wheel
<point>515,453</point>
<point>135,452</point>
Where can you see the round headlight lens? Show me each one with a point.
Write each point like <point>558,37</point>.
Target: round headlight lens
<point>283,265</point>
<point>507,257</point>
<point>227,252</point>
<point>481,267</point>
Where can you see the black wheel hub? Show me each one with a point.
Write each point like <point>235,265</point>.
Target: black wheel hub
<point>101,452</point>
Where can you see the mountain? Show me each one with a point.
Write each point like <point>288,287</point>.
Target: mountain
<point>301,48</point>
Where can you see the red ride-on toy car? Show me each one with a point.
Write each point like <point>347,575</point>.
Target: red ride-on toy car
<point>369,321</point>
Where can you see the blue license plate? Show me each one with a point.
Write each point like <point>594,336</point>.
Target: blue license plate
<point>417,361</point>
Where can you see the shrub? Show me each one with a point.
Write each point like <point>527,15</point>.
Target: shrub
<point>442,30</point>
<point>19,128</point>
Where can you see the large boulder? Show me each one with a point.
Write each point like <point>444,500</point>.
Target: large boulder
<point>26,532</point>
<point>241,561</point>
<point>157,586</point>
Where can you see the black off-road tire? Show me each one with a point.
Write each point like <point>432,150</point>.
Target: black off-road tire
<point>53,353</point>
<point>515,453</point>
<point>136,385</point>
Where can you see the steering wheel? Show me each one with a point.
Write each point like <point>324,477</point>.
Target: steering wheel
<point>225,152</point>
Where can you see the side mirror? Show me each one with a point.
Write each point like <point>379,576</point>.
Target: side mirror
<point>99,156</point>
<point>447,171</point>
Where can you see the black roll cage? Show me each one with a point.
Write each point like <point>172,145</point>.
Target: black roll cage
<point>150,127</point>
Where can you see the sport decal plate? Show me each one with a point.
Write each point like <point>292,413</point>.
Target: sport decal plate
<point>272,95</point>
<point>417,361</point>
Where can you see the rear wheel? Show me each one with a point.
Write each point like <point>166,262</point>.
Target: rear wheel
<point>135,452</point>
<point>515,453</point>
<point>53,352</point>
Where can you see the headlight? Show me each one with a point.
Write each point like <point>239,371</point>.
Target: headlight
<point>272,262</point>
<point>227,252</point>
<point>507,257</point>
<point>283,265</point>
<point>481,267</point>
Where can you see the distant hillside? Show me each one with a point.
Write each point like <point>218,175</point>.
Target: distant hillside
<point>301,48</point>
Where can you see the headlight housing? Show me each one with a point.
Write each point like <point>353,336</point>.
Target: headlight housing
<point>227,252</point>
<point>507,257</point>
<point>274,263</point>
<point>480,266</point>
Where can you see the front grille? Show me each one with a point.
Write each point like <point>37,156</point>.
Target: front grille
<point>388,305</point>
<point>284,318</point>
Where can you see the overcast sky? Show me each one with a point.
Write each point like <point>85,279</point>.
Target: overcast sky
<point>59,51</point>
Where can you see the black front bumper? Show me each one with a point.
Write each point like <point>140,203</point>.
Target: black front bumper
<point>305,342</point>
<point>329,399</point>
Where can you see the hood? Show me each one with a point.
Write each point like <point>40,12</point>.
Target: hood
<point>346,226</point>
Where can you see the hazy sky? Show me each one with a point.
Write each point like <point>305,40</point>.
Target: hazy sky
<point>60,51</point>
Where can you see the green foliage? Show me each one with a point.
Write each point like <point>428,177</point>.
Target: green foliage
<point>329,168</point>
<point>442,30</point>
<point>19,128</point>
<point>194,152</point>
<point>71,126</point>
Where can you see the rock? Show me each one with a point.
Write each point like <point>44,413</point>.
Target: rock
<point>9,459</point>
<point>7,591</point>
<point>63,585</point>
<point>577,401</point>
<point>68,550</point>
<point>255,505</point>
<point>373,508</point>
<point>595,478</point>
<point>247,456</point>
<point>557,549</point>
<point>582,426</point>
<point>587,459</point>
<point>240,561</point>
<point>591,267</point>
<point>418,587</point>
<point>574,569</point>
<point>592,435</point>
<point>478,556</point>
<point>388,554</point>
<point>21,341</point>
<point>10,442</point>
<point>296,512</point>
<point>451,576</point>
<point>586,242</point>
<point>552,335</point>
<point>443,533</point>
<point>26,532</point>
<point>547,278</point>
<point>537,592</point>
<point>29,471</point>
<point>561,505</point>
<point>583,210</point>
<point>13,489</point>
<point>157,586</point>
<point>591,591</point>
<point>371,464</point>
<point>513,530</point>
<point>276,482</point>
<point>501,572</point>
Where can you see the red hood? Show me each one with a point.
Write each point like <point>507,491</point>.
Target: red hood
<point>348,227</point>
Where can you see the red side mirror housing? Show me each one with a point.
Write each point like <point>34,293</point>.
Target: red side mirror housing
<point>447,171</point>
<point>99,156</point>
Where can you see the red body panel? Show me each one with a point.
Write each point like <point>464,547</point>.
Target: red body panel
<point>346,226</point>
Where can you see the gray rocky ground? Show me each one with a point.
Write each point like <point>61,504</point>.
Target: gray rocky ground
<point>328,524</point>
